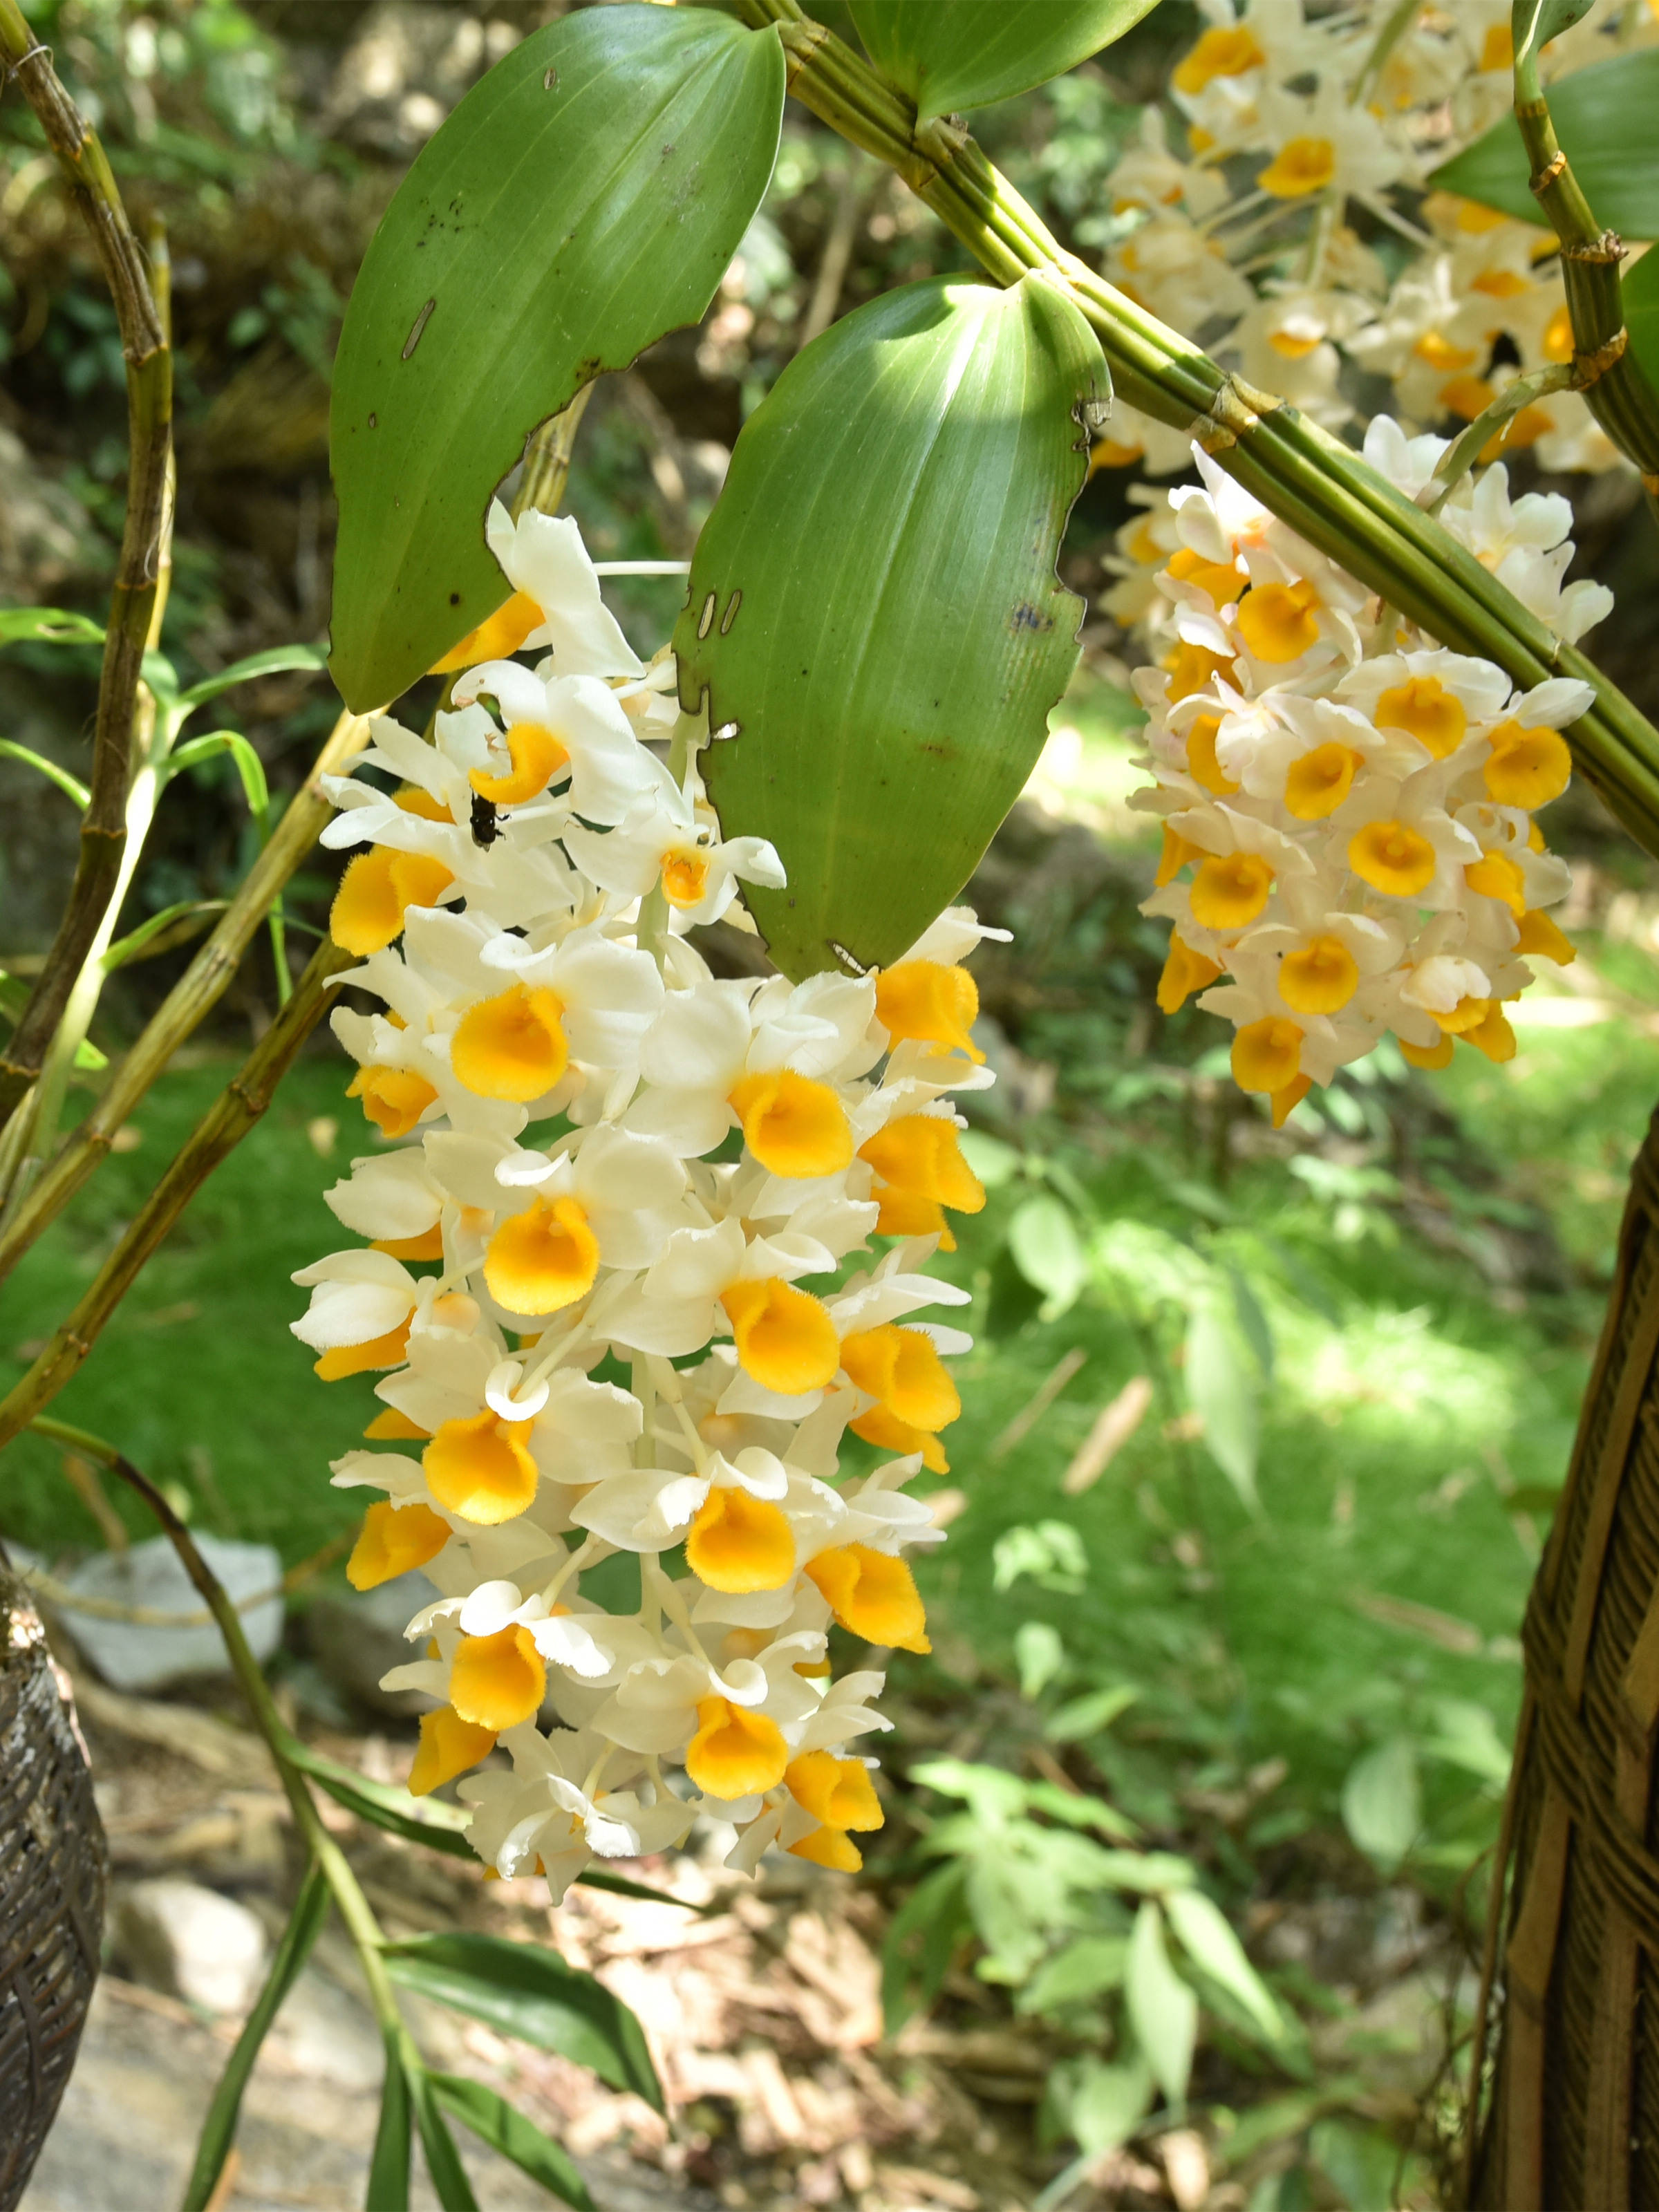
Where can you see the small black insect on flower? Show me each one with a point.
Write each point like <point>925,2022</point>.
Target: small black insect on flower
<point>486,825</point>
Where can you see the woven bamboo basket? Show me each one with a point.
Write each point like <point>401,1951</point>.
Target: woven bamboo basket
<point>1573,2116</point>
<point>52,1866</point>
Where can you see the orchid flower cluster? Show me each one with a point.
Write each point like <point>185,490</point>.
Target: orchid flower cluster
<point>607,1176</point>
<point>1291,126</point>
<point>1348,809</point>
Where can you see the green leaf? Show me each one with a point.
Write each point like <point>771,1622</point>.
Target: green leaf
<point>272,662</point>
<point>585,198</point>
<point>47,626</point>
<point>522,1990</point>
<point>1084,1969</point>
<point>1382,1801</point>
<point>219,2128</point>
<point>1222,1391</point>
<point>1603,117</point>
<point>1104,2104</point>
<point>71,786</point>
<point>1209,1941</point>
<point>873,604</point>
<point>140,942</point>
<point>1468,1738</point>
<point>1163,2010</point>
<point>1091,1714</point>
<point>1047,1251</point>
<point>495,2121</point>
<point>249,766</point>
<point>991,1160</point>
<point>443,2160</point>
<point>388,2169</point>
<point>1639,296</point>
<point>1533,23</point>
<point>951,55</point>
<point>923,1938</point>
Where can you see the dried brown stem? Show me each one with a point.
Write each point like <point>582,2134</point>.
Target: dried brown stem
<point>150,414</point>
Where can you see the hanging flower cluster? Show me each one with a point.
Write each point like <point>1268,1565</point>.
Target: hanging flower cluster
<point>1348,809</point>
<point>609,1177</point>
<point>1292,127</point>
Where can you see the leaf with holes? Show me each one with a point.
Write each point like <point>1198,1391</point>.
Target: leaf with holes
<point>955,58</point>
<point>583,199</point>
<point>1603,117</point>
<point>874,608</point>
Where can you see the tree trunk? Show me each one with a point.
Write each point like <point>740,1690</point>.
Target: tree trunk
<point>52,1868</point>
<point>1572,2121</point>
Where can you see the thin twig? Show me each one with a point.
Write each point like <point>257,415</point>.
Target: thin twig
<point>191,998</point>
<point>150,414</point>
<point>218,1132</point>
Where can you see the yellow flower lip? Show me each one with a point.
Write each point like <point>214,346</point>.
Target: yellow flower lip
<point>497,637</point>
<point>740,1544</point>
<point>1318,782</point>
<point>1230,889</point>
<point>1266,1055</point>
<point>497,1681</point>
<point>925,1001</point>
<point>836,1791</point>
<point>901,1368</point>
<point>1184,972</point>
<point>394,1539</point>
<point>536,756</point>
<point>735,1752</point>
<point>1201,761</point>
<point>873,1594</point>
<point>1392,858</point>
<point>793,1126</point>
<point>785,1337</point>
<point>376,891</point>
<point>918,1157</point>
<point>1224,50</point>
<point>1426,710</point>
<point>394,1098</point>
<point>1278,621</point>
<point>543,1259</point>
<point>512,1045</point>
<point>1319,978</point>
<point>481,1468</point>
<point>1528,767</point>
<point>685,876</point>
<point>1301,165</point>
<point>449,1746</point>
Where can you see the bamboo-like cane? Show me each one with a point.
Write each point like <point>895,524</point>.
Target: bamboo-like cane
<point>1328,494</point>
<point>149,414</point>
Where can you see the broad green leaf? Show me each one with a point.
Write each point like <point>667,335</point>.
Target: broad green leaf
<point>219,2129</point>
<point>1603,117</point>
<point>1254,1324</point>
<point>1639,296</point>
<point>495,2121</point>
<point>1084,1969</point>
<point>1091,1714</point>
<point>585,198</point>
<point>1048,1252</point>
<point>274,661</point>
<point>1206,1935</point>
<point>993,1161</point>
<point>1222,1391</point>
<point>1468,1738</point>
<point>1163,2010</point>
<point>1382,1801</point>
<point>1533,23</point>
<point>1039,1655</point>
<point>47,626</point>
<point>521,1990</point>
<point>957,54</point>
<point>1104,2104</point>
<point>71,786</point>
<point>443,2160</point>
<point>389,2167</point>
<point>874,609</point>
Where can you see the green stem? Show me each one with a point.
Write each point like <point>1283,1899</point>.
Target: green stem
<point>218,1132</point>
<point>1328,494</point>
<point>352,1906</point>
<point>1462,455</point>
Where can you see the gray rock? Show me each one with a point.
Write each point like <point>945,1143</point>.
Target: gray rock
<point>144,1656</point>
<point>357,1636</point>
<point>191,1942</point>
